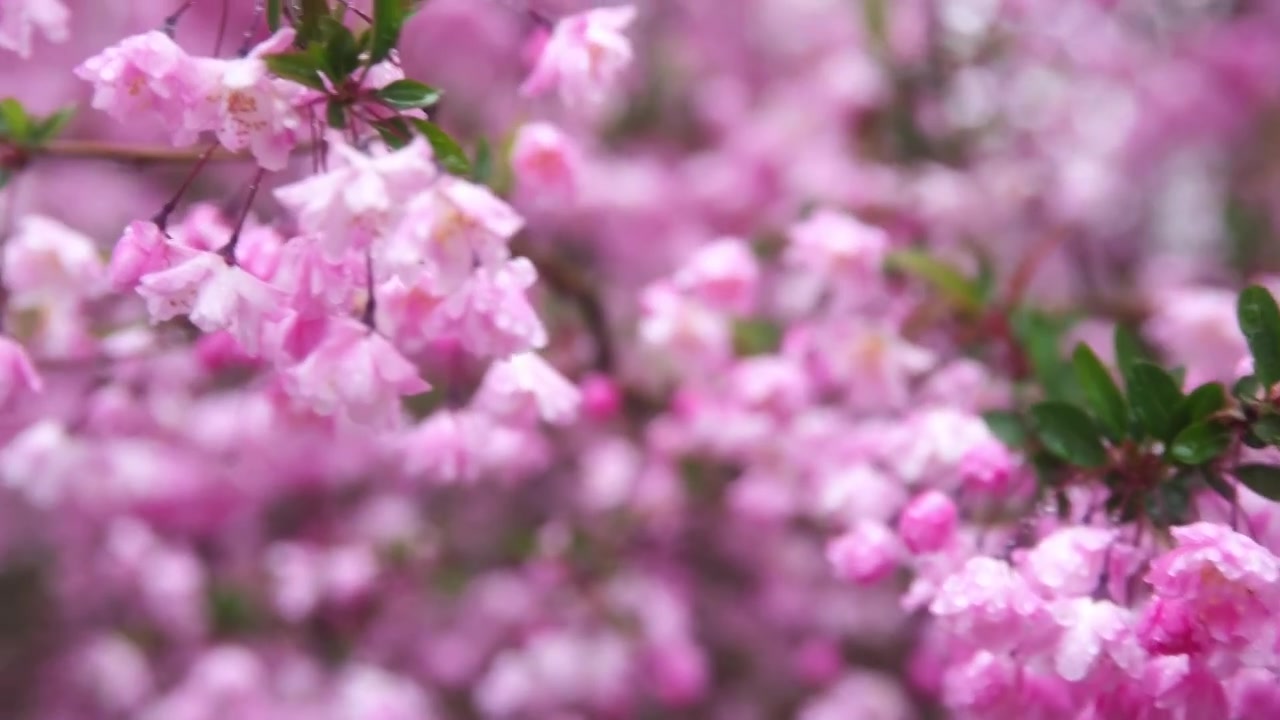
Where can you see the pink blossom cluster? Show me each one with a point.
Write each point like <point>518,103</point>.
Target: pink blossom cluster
<point>674,405</point>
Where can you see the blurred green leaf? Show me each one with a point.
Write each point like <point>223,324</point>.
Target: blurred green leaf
<point>1040,336</point>
<point>756,336</point>
<point>312,12</point>
<point>946,279</point>
<point>1247,389</point>
<point>273,15</point>
<point>1262,479</point>
<point>336,115</point>
<point>1259,319</point>
<point>482,165</point>
<point>1007,427</point>
<point>1267,429</point>
<point>1101,392</point>
<point>341,54</point>
<point>1069,433</point>
<point>1218,484</point>
<point>15,123</point>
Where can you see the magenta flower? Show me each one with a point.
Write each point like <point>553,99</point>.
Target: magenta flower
<point>142,250</point>
<point>546,163</point>
<point>988,604</point>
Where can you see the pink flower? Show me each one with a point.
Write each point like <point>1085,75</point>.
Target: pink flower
<point>928,522</point>
<point>684,328</point>
<point>584,56</point>
<point>989,605</point>
<point>866,554</point>
<point>526,383</point>
<point>1069,562</point>
<point>360,195</point>
<point>546,163</point>
<point>245,106</point>
<point>447,231</point>
<point>1096,634</point>
<point>989,468</point>
<point>216,296</point>
<point>142,250</point>
<point>17,374</point>
<point>490,313</point>
<point>601,397</point>
<point>838,248</point>
<point>19,19</point>
<point>46,260</point>
<point>724,274</point>
<point>1216,588</point>
<point>144,76</point>
<point>355,374</point>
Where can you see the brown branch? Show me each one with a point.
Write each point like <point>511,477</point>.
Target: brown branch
<point>567,281</point>
<point>99,150</point>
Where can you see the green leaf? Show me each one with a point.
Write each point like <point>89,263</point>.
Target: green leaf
<point>1156,400</point>
<point>755,336</point>
<point>273,15</point>
<point>1262,479</point>
<point>15,123</point>
<point>313,11</point>
<point>482,165</point>
<point>1101,392</point>
<point>1040,336</point>
<point>1260,322</point>
<point>336,115</point>
<point>1069,433</point>
<point>1247,389</point>
<point>1007,427</point>
<point>1259,319</point>
<point>51,126</point>
<point>388,18</point>
<point>943,277</point>
<point>1218,484</point>
<point>395,132</point>
<point>300,67</point>
<point>341,55</point>
<point>1267,429</point>
<point>5,176</point>
<point>1199,443</point>
<point>1204,401</point>
<point>1129,350</point>
<point>448,152</point>
<point>408,95</point>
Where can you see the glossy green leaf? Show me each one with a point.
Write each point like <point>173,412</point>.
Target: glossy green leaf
<point>388,18</point>
<point>1128,350</point>
<point>1101,392</point>
<point>1040,336</point>
<point>1204,401</point>
<point>341,54</point>
<point>1259,319</point>
<point>1262,479</point>
<point>1069,433</point>
<point>408,95</point>
<point>395,132</point>
<point>448,152</point>
<point>1007,427</point>
<point>1247,389</point>
<point>1156,400</point>
<point>1199,443</point>
<point>300,67</point>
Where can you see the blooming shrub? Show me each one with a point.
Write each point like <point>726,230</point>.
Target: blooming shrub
<point>409,359</point>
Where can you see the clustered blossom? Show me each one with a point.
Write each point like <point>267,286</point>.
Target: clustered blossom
<point>683,401</point>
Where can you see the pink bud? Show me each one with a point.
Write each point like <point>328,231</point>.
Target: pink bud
<point>865,554</point>
<point>680,670</point>
<point>601,397</point>
<point>988,468</point>
<point>928,522</point>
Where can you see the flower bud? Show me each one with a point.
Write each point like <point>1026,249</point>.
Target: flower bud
<point>988,468</point>
<point>928,522</point>
<point>601,397</point>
